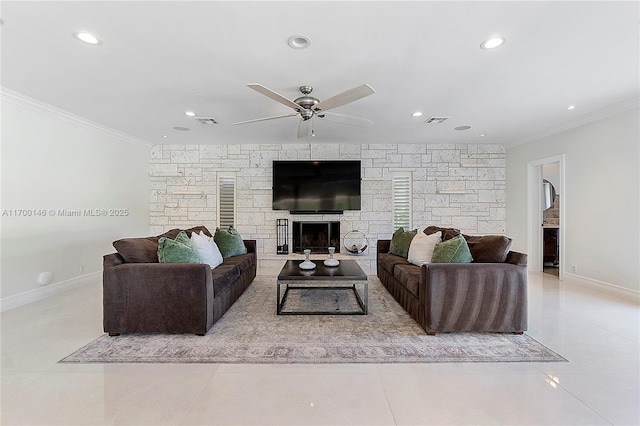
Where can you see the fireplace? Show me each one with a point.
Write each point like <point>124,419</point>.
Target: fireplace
<point>316,236</point>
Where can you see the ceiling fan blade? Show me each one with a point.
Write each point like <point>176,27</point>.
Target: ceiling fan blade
<point>304,128</point>
<point>273,95</point>
<point>346,119</point>
<point>345,97</point>
<point>267,118</point>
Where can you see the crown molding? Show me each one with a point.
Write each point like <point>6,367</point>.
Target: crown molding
<point>609,111</point>
<point>41,107</point>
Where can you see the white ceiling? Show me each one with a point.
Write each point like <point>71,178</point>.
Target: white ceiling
<point>159,59</point>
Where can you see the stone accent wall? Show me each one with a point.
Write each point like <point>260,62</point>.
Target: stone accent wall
<point>454,185</point>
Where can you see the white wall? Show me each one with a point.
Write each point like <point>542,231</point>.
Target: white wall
<point>53,162</point>
<point>601,197</point>
<point>551,172</point>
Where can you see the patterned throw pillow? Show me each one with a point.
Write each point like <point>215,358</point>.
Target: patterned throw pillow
<point>229,242</point>
<point>454,250</point>
<point>179,250</point>
<point>400,242</point>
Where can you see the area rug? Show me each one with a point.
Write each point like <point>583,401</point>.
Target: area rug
<point>251,332</point>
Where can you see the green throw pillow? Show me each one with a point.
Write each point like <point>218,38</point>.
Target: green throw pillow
<point>400,242</point>
<point>229,242</point>
<point>183,238</point>
<point>179,250</point>
<point>454,250</point>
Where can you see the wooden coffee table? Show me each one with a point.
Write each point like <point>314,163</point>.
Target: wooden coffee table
<point>347,276</point>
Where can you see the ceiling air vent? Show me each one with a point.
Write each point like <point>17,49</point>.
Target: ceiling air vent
<point>206,120</point>
<point>436,120</point>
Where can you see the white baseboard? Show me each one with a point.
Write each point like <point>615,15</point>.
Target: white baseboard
<point>34,295</point>
<point>612,289</point>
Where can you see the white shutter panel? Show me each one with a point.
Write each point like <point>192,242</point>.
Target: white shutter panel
<point>402,209</point>
<point>226,201</point>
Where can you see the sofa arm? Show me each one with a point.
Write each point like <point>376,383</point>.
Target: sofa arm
<point>516,258</point>
<point>475,297</point>
<point>157,297</point>
<point>251,246</point>
<point>112,259</point>
<point>383,246</point>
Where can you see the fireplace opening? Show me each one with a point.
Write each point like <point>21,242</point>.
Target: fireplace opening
<point>316,236</point>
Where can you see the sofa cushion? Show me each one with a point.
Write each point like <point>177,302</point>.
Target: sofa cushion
<point>389,261</point>
<point>198,230</point>
<point>138,250</point>
<point>207,249</point>
<point>422,246</point>
<point>400,242</point>
<point>242,261</point>
<point>145,249</point>
<point>409,276</point>
<point>179,250</point>
<point>489,248</point>
<point>172,233</point>
<point>447,233</point>
<point>223,277</point>
<point>229,242</point>
<point>454,250</point>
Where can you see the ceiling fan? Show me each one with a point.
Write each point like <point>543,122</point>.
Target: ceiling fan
<point>309,107</point>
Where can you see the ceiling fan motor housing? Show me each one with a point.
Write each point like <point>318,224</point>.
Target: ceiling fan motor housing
<point>306,113</point>
<point>306,102</point>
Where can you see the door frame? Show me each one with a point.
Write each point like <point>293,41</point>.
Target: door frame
<point>535,235</point>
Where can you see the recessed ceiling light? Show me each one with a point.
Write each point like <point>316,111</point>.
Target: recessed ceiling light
<point>299,42</point>
<point>417,114</point>
<point>462,128</point>
<point>87,37</point>
<point>493,42</point>
<point>571,107</point>
<point>482,135</point>
<point>190,114</point>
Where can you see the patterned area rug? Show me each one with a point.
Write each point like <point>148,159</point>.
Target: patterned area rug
<point>251,332</point>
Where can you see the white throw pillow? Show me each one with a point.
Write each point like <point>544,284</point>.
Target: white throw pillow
<point>207,249</point>
<point>422,246</point>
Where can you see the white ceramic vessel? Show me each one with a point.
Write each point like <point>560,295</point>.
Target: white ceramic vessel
<point>307,264</point>
<point>331,261</point>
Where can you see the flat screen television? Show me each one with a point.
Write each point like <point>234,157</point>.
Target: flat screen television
<point>316,186</point>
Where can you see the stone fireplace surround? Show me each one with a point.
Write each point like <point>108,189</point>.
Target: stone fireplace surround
<point>316,236</point>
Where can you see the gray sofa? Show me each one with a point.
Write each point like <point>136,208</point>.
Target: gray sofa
<point>141,295</point>
<point>487,295</point>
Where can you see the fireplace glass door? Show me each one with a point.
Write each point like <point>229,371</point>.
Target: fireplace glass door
<point>316,236</point>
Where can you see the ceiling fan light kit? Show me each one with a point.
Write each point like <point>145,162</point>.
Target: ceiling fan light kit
<point>309,107</point>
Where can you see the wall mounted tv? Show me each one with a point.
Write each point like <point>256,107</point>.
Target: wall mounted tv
<point>316,186</point>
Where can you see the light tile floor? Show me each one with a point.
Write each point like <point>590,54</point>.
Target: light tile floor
<point>599,334</point>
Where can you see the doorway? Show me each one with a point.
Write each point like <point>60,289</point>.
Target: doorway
<point>546,218</point>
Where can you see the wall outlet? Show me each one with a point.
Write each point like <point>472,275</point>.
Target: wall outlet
<point>45,278</point>
<point>574,269</point>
